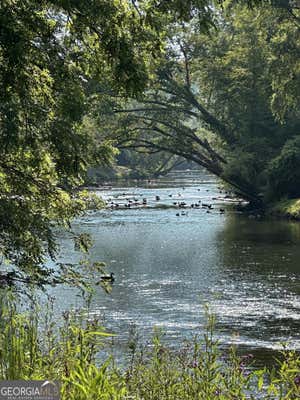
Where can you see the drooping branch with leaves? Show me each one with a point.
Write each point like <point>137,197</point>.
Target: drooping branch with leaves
<point>49,52</point>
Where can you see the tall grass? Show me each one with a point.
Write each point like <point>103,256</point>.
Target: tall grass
<point>34,346</point>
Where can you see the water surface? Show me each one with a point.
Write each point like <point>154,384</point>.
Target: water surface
<point>167,266</point>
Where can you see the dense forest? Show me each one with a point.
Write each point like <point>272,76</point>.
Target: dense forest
<point>227,100</point>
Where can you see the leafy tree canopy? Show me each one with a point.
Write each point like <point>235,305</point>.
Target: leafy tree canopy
<point>49,52</point>
<point>228,101</point>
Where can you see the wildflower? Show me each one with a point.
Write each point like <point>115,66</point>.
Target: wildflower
<point>194,364</point>
<point>297,380</point>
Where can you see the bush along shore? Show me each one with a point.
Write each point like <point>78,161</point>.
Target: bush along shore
<point>288,208</point>
<point>33,346</point>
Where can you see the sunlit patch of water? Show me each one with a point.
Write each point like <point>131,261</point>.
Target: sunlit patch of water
<point>167,266</point>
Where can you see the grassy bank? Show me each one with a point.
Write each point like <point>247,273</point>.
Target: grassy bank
<point>34,347</point>
<point>286,209</point>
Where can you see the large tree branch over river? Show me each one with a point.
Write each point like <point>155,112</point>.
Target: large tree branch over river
<point>163,127</point>
<point>214,100</point>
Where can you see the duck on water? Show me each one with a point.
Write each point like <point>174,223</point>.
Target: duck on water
<point>108,278</point>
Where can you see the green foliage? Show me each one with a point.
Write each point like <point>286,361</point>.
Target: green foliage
<point>216,99</point>
<point>49,51</point>
<point>284,171</point>
<point>35,348</point>
<point>287,208</point>
<point>285,69</point>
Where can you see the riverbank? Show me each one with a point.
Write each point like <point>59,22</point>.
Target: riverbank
<point>289,209</point>
<point>32,347</point>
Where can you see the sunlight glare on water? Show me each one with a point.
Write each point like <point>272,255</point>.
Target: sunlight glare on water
<point>168,265</point>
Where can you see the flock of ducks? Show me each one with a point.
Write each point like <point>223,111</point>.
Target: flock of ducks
<point>136,202</point>
<point>143,202</point>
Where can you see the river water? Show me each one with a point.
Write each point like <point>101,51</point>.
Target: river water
<point>167,266</point>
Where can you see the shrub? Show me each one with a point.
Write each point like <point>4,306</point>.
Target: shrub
<point>34,347</point>
<point>284,171</point>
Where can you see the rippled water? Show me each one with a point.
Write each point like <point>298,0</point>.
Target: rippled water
<point>168,266</point>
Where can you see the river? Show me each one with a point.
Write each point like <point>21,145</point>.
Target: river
<point>167,266</point>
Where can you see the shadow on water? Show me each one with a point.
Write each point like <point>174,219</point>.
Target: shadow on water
<point>260,298</point>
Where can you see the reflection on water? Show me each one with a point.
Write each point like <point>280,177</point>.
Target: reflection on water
<point>167,266</point>
<point>260,297</point>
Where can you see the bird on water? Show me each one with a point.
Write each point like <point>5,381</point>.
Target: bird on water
<point>108,278</point>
